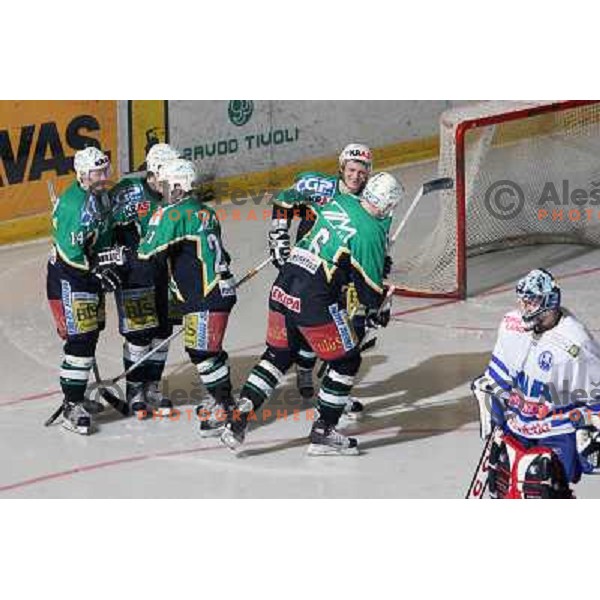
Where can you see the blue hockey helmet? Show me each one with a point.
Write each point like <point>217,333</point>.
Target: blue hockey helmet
<point>538,294</point>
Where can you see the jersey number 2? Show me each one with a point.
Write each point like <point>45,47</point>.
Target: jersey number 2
<point>215,245</point>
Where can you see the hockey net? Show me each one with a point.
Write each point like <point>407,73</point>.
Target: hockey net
<point>486,148</point>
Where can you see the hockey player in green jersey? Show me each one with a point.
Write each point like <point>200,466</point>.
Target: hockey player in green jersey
<point>313,188</point>
<point>77,277</point>
<point>142,300</point>
<point>348,241</point>
<point>187,235</point>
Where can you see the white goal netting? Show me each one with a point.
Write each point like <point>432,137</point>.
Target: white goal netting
<point>517,166</point>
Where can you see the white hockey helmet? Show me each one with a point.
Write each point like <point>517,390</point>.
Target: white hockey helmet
<point>89,159</point>
<point>383,192</point>
<point>358,152</point>
<point>158,155</point>
<point>178,172</point>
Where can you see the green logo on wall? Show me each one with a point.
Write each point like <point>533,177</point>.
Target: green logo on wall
<point>240,111</point>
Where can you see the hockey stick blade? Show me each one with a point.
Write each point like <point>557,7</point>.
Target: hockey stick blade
<point>368,344</point>
<point>119,405</point>
<point>54,416</point>
<point>436,185</point>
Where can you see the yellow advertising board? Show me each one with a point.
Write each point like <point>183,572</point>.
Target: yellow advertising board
<point>148,125</point>
<point>38,139</point>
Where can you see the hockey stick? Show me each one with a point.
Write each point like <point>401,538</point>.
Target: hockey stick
<point>177,333</point>
<point>118,404</point>
<point>54,416</point>
<point>52,194</point>
<point>252,272</point>
<point>480,477</point>
<point>434,185</point>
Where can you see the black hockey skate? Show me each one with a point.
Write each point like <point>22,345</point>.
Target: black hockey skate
<point>136,398</point>
<point>234,433</point>
<point>159,403</point>
<point>76,418</point>
<point>213,418</point>
<point>325,440</point>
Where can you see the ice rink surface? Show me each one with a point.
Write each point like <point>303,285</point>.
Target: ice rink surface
<point>419,436</point>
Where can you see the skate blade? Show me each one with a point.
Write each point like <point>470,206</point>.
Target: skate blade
<point>211,433</point>
<point>353,416</point>
<point>228,440</point>
<point>75,429</point>
<point>322,450</point>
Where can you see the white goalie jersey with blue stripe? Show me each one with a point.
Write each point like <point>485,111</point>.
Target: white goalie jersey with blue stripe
<point>556,374</point>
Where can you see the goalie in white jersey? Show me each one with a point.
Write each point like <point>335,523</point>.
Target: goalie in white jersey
<point>542,391</point>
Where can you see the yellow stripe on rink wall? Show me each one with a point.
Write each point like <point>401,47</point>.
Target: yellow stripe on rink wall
<point>25,228</point>
<point>38,140</point>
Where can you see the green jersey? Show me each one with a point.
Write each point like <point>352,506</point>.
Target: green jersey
<point>80,228</point>
<point>345,236</point>
<point>189,233</point>
<point>134,203</point>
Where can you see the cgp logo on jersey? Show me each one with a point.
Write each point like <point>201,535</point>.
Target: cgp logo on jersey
<point>545,360</point>
<point>240,111</point>
<point>316,185</point>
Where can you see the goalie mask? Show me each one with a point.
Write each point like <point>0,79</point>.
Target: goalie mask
<point>176,179</point>
<point>158,155</point>
<point>382,193</point>
<point>92,167</point>
<point>537,295</point>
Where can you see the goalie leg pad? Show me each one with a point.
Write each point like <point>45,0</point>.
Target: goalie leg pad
<point>519,471</point>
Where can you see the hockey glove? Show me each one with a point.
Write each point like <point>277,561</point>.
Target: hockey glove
<point>108,276</point>
<point>106,266</point>
<point>387,266</point>
<point>588,448</point>
<point>376,318</point>
<point>227,285</point>
<point>279,247</point>
<point>116,256</point>
<point>380,317</point>
<point>491,402</point>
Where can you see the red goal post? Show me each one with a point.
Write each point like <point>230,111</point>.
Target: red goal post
<point>529,144</point>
